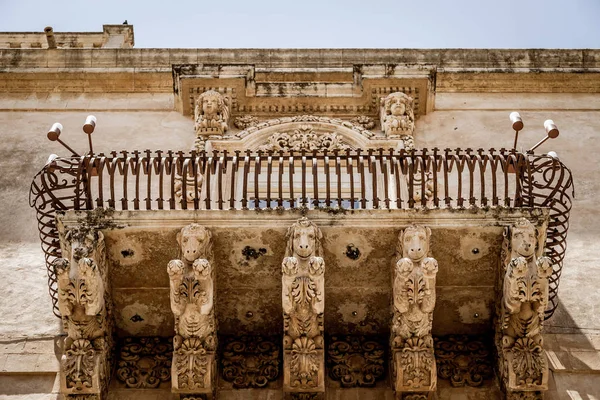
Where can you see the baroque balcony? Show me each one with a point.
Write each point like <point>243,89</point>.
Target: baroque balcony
<point>130,213</point>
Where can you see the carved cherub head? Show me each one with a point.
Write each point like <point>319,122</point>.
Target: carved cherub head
<point>211,103</point>
<point>195,242</point>
<point>523,238</point>
<point>398,104</point>
<point>413,242</point>
<point>303,239</point>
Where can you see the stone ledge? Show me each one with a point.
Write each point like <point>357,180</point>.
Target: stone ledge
<point>444,58</point>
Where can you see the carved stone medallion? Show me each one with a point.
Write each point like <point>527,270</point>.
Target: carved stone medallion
<point>356,361</point>
<point>250,361</point>
<point>145,363</point>
<point>464,360</point>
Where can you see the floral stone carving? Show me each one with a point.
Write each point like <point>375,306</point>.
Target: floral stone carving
<point>250,361</point>
<point>524,296</point>
<point>355,361</point>
<point>211,114</point>
<point>397,115</point>
<point>83,301</point>
<point>464,360</point>
<point>245,121</point>
<point>145,363</point>
<point>192,298</point>
<point>413,361</point>
<point>303,139</point>
<point>364,121</point>
<point>303,304</point>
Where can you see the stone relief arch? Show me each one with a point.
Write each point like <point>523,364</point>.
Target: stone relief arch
<point>305,132</point>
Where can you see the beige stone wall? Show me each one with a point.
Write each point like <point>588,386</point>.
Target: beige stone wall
<point>140,119</point>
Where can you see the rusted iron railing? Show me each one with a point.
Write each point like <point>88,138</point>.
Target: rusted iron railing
<point>374,179</point>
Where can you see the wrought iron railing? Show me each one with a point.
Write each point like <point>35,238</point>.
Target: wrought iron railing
<point>383,179</point>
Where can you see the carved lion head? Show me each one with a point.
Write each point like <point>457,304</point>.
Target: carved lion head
<point>195,242</point>
<point>303,239</point>
<point>413,242</point>
<point>523,238</point>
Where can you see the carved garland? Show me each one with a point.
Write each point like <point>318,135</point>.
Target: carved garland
<point>303,139</point>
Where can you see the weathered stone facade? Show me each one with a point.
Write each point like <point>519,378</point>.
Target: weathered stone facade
<point>222,303</point>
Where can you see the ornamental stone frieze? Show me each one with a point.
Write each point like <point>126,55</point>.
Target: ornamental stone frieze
<point>356,361</point>
<point>303,139</point>
<point>303,300</point>
<point>250,361</point>
<point>191,278</point>
<point>84,303</point>
<point>413,362</point>
<point>523,298</point>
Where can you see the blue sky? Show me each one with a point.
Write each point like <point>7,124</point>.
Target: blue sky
<point>323,24</point>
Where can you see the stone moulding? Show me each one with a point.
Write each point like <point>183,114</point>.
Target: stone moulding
<point>303,305</point>
<point>192,298</point>
<point>523,296</point>
<point>84,303</point>
<point>414,277</point>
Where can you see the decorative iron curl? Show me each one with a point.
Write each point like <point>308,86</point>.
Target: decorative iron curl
<point>547,183</point>
<point>57,187</point>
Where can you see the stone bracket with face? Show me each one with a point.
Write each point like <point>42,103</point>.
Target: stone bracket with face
<point>523,298</point>
<point>415,272</point>
<point>303,285</point>
<point>192,294</point>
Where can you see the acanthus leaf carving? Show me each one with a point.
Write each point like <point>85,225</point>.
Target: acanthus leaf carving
<point>524,290</point>
<point>303,304</point>
<point>191,280</point>
<point>305,138</point>
<point>414,295</point>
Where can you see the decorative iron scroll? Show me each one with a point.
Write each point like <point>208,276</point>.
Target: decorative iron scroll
<point>328,180</point>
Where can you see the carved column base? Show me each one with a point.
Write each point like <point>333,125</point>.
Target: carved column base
<point>414,371</point>
<point>193,372</point>
<point>84,370</point>
<point>525,370</point>
<point>304,382</point>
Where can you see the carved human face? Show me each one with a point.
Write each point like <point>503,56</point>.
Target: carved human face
<point>210,105</point>
<point>398,108</point>
<point>415,242</point>
<point>304,241</point>
<point>194,242</point>
<point>524,240</point>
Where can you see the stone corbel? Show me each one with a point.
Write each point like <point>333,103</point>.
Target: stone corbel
<point>211,115</point>
<point>413,362</point>
<point>83,300</point>
<point>193,370</point>
<point>523,297</point>
<point>303,299</point>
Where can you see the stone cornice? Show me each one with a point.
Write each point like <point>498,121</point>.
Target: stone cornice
<point>498,60</point>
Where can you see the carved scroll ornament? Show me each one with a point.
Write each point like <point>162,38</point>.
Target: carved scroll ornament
<point>305,138</point>
<point>413,362</point>
<point>303,304</point>
<point>524,297</point>
<point>192,298</point>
